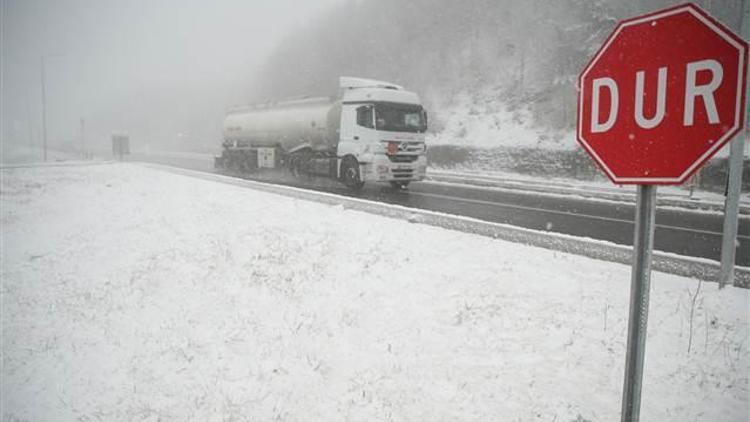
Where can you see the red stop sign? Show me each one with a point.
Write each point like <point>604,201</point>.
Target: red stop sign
<point>662,95</point>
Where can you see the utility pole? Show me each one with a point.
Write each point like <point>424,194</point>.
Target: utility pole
<point>522,70</point>
<point>44,110</point>
<point>83,138</point>
<point>44,101</point>
<point>29,125</point>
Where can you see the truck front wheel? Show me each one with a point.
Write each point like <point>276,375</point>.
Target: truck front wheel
<point>350,175</point>
<point>399,185</point>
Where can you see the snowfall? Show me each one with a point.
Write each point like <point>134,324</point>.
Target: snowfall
<point>132,293</point>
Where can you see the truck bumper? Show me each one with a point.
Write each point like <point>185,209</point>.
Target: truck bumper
<point>382,169</point>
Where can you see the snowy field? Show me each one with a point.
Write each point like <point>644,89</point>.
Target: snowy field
<point>14,154</point>
<point>481,121</point>
<point>133,294</point>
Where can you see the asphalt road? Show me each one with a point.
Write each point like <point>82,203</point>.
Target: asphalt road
<point>680,231</point>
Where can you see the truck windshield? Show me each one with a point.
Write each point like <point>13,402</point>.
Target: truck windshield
<point>394,117</point>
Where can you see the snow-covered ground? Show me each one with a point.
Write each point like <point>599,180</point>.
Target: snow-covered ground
<point>11,153</point>
<point>481,121</point>
<point>133,294</point>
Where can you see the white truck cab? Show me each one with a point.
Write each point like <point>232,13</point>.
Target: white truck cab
<point>382,128</point>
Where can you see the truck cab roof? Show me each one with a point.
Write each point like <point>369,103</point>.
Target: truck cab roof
<point>360,90</point>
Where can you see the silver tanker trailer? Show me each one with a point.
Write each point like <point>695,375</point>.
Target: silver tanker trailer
<point>373,132</point>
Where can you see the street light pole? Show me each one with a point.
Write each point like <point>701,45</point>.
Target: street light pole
<point>83,139</point>
<point>44,100</point>
<point>44,110</point>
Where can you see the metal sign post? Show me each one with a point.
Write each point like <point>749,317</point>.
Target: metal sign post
<point>732,201</point>
<point>640,286</point>
<point>650,58</point>
<point>731,212</point>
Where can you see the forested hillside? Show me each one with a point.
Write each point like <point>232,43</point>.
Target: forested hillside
<point>492,72</point>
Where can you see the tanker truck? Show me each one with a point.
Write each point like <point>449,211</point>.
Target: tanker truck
<point>373,132</point>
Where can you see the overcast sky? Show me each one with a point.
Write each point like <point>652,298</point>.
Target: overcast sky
<point>158,69</point>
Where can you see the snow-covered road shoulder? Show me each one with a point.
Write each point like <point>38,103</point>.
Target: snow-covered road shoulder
<point>134,294</point>
<point>685,266</point>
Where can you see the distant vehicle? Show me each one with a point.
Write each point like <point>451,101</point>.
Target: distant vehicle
<point>373,132</point>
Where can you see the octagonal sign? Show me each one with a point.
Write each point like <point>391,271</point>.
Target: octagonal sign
<point>663,94</point>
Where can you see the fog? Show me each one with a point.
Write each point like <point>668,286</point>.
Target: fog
<point>487,56</point>
<point>492,73</point>
<point>162,71</point>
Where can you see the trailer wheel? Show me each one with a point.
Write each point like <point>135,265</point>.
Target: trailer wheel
<point>350,173</point>
<point>294,168</point>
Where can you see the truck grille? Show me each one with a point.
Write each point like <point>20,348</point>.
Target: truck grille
<point>411,147</point>
<point>403,158</point>
<point>402,173</point>
<point>406,152</point>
